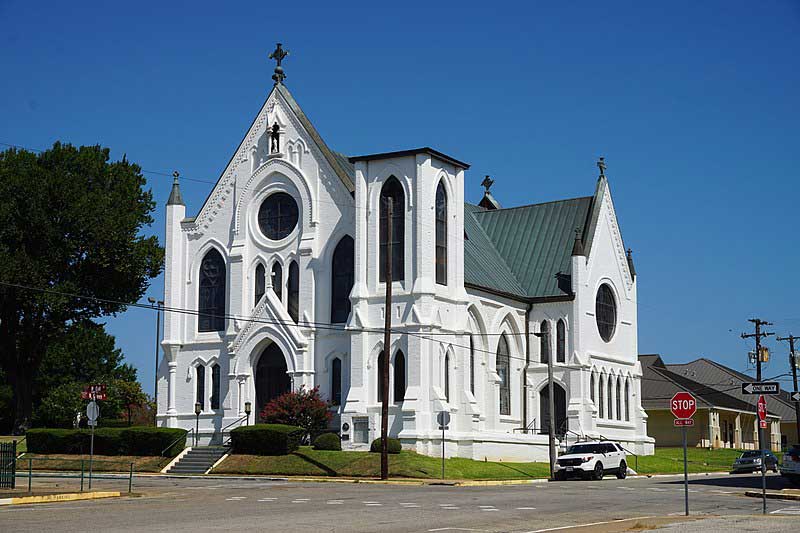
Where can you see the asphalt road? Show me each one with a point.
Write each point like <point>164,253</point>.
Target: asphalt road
<point>210,504</point>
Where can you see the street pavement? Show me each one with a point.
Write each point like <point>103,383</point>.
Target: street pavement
<point>169,504</point>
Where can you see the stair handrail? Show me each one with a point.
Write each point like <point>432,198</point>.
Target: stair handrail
<point>237,421</point>
<point>171,444</point>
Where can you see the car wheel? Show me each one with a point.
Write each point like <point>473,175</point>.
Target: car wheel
<point>623,470</point>
<point>598,471</point>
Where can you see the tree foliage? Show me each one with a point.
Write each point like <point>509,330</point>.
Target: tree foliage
<point>303,408</point>
<point>70,226</point>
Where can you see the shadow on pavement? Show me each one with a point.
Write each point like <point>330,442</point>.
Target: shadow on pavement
<point>739,481</point>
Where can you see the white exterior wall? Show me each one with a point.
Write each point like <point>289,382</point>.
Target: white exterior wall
<point>436,320</point>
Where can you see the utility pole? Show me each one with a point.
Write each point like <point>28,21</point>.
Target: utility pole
<point>758,335</point>
<point>551,430</point>
<point>387,338</point>
<point>793,362</point>
<point>159,304</point>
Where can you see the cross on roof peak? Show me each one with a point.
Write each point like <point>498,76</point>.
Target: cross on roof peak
<point>601,164</point>
<point>279,54</point>
<point>487,182</point>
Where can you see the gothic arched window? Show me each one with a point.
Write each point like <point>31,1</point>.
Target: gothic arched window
<point>342,276</point>
<point>211,297</point>
<point>200,386</point>
<point>544,342</point>
<point>277,280</point>
<point>472,365</point>
<point>447,377</point>
<point>502,365</point>
<point>336,381</point>
<point>592,382</point>
<point>627,400</point>
<point>619,398</point>
<point>260,283</point>
<point>610,398</point>
<point>215,386</point>
<point>605,309</point>
<point>293,289</point>
<point>601,406</point>
<point>441,234</point>
<point>399,377</point>
<point>561,341</point>
<point>392,192</point>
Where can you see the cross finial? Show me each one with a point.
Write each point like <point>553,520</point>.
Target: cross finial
<point>487,183</point>
<point>601,164</point>
<point>278,55</point>
<point>175,176</point>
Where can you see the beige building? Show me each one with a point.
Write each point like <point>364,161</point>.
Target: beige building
<point>725,417</point>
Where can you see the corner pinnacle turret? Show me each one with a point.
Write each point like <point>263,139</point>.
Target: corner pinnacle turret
<point>175,197</point>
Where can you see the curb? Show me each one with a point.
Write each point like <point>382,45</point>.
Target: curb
<point>774,495</point>
<point>52,498</point>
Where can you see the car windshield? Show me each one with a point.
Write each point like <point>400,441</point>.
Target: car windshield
<point>754,453</point>
<point>585,448</point>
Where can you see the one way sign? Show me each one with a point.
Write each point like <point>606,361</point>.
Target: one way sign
<point>796,396</point>
<point>765,387</point>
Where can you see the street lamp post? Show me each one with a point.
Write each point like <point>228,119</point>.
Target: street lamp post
<point>248,408</point>
<point>159,304</point>
<point>197,410</point>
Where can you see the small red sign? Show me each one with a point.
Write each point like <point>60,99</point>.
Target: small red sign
<point>683,422</point>
<point>94,392</point>
<point>762,408</point>
<point>683,405</point>
<point>763,424</point>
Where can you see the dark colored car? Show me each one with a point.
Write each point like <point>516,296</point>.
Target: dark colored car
<point>750,461</point>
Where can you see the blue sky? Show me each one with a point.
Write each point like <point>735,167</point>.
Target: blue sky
<point>694,106</point>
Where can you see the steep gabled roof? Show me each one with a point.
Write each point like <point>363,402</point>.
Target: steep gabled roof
<point>483,265</point>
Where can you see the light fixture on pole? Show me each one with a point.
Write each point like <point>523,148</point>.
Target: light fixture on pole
<point>158,304</point>
<point>248,408</point>
<point>197,410</point>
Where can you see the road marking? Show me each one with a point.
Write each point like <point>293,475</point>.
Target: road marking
<point>490,509</point>
<point>370,502</point>
<point>408,503</point>
<point>526,508</point>
<point>455,529</point>
<point>788,510</point>
<point>335,502</point>
<point>657,489</point>
<point>723,492</point>
<point>374,504</point>
<point>626,488</point>
<point>267,499</point>
<point>589,525</point>
<point>235,498</point>
<point>301,499</point>
<point>486,506</point>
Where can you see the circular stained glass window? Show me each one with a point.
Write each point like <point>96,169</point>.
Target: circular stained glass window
<point>277,216</point>
<point>605,312</point>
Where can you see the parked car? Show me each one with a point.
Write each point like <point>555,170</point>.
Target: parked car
<point>750,461</point>
<point>592,460</point>
<point>790,468</point>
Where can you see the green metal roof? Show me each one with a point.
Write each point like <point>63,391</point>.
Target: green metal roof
<point>534,241</point>
<point>483,265</point>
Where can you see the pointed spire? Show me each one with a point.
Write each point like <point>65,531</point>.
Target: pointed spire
<point>577,246</point>
<point>629,257</point>
<point>175,197</point>
<point>278,55</point>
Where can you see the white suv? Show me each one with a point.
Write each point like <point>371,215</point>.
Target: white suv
<point>592,460</point>
<point>790,468</point>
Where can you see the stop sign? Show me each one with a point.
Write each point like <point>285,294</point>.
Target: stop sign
<point>683,405</point>
<point>762,408</point>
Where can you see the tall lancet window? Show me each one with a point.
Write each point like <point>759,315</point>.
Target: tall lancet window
<point>342,276</point>
<point>601,393</point>
<point>447,378</point>
<point>399,377</point>
<point>211,297</point>
<point>441,235</point>
<point>215,386</point>
<point>544,342</point>
<point>200,386</point>
<point>336,381</point>
<point>277,279</point>
<point>293,289</point>
<point>502,364</point>
<point>260,283</point>
<point>392,192</point>
<point>561,341</point>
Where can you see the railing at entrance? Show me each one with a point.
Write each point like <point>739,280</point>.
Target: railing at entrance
<point>227,429</point>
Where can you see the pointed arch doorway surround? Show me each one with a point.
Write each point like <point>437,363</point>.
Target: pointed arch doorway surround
<point>560,401</point>
<point>272,379</point>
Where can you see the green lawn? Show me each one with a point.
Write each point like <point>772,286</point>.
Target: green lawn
<point>21,446</point>
<point>101,463</point>
<point>670,460</point>
<point>309,462</point>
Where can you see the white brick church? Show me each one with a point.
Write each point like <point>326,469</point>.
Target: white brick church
<point>283,277</point>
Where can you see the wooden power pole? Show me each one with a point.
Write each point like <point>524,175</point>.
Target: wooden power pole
<point>387,339</point>
<point>793,361</point>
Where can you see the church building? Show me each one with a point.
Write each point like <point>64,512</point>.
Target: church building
<point>283,271</point>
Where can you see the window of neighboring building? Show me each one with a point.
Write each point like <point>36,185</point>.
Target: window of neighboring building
<point>561,341</point>
<point>336,381</point>
<point>392,192</point>
<point>277,216</point>
<point>200,386</point>
<point>606,312</point>
<point>544,342</point>
<point>293,288</point>
<point>441,234</point>
<point>260,283</point>
<point>215,386</point>
<point>277,280</point>
<point>399,377</point>
<point>342,276</point>
<point>502,364</point>
<point>211,297</point>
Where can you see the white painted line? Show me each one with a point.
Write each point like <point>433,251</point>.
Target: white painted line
<point>486,506</point>
<point>657,489</point>
<point>788,510</point>
<point>490,509</point>
<point>301,499</point>
<point>374,505</point>
<point>588,525</point>
<point>455,529</point>
<point>408,503</point>
<point>267,499</point>
<point>526,508</point>
<point>235,498</point>
<point>369,502</point>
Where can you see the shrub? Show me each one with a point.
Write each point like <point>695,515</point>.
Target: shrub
<point>303,408</point>
<point>393,445</point>
<point>266,439</point>
<point>328,441</point>
<point>112,423</point>
<point>107,441</point>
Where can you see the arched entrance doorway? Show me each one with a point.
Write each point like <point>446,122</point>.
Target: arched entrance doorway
<point>271,377</point>
<point>560,405</point>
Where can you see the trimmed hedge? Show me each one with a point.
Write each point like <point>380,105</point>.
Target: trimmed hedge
<point>393,445</point>
<point>328,441</point>
<point>107,441</point>
<point>266,439</point>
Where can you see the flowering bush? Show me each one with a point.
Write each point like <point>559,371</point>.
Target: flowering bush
<point>303,408</point>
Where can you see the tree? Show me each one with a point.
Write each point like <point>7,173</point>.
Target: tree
<point>123,398</point>
<point>303,408</point>
<point>70,227</point>
<point>61,406</point>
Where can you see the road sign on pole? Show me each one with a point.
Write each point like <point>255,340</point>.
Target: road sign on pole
<point>765,387</point>
<point>683,407</point>
<point>796,396</point>
<point>678,422</point>
<point>443,418</point>
<point>762,408</point>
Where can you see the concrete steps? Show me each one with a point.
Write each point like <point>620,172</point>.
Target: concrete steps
<point>198,460</point>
